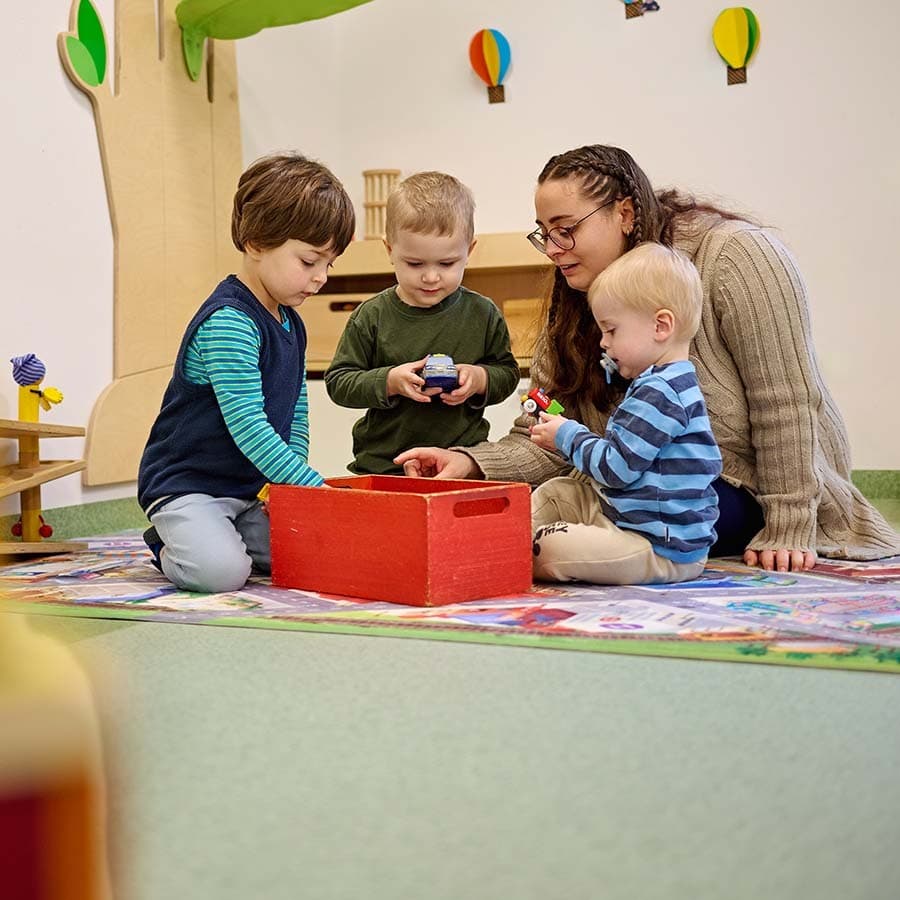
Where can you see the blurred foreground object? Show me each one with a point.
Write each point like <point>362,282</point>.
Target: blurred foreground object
<point>52,818</point>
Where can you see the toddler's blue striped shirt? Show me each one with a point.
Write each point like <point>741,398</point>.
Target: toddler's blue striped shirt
<point>656,462</point>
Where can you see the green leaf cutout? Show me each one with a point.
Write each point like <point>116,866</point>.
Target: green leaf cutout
<point>90,35</point>
<point>82,61</point>
<point>228,20</point>
<point>192,47</point>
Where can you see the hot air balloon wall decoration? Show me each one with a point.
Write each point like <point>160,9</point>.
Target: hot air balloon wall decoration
<point>490,57</point>
<point>736,36</point>
<point>635,8</point>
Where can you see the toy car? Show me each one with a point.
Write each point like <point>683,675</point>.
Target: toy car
<point>439,371</point>
<point>536,400</point>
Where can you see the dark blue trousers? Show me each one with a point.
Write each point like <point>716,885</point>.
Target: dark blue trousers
<point>740,518</point>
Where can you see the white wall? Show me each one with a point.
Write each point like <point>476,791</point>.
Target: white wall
<point>55,239</point>
<point>808,144</point>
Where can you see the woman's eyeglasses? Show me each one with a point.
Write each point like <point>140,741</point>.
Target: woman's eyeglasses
<point>562,235</point>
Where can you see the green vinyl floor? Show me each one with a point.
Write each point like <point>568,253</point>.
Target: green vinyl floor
<point>263,765</point>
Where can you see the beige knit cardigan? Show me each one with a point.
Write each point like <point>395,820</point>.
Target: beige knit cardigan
<point>779,430</point>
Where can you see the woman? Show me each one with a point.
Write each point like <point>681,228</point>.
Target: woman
<point>785,494</point>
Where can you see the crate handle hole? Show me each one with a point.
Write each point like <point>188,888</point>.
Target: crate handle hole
<point>489,506</point>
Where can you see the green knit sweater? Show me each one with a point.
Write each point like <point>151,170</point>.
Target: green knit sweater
<point>385,332</point>
<point>779,430</point>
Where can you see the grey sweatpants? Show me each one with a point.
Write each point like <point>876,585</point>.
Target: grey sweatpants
<point>212,543</point>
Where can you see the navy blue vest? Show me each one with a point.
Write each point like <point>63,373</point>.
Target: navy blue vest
<point>190,451</point>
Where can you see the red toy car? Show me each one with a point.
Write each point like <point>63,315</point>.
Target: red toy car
<point>536,400</point>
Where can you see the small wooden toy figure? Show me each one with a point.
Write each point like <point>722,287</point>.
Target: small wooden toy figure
<point>28,373</point>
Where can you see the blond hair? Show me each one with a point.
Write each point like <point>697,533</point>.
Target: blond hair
<point>651,277</point>
<point>285,197</point>
<point>430,203</point>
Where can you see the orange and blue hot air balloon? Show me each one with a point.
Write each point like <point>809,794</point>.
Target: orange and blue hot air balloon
<point>736,35</point>
<point>489,55</point>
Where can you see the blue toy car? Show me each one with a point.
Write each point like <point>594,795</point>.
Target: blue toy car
<point>439,371</point>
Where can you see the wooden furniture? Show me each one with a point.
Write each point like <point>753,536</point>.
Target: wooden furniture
<point>502,266</point>
<point>171,154</point>
<point>378,183</point>
<point>27,475</point>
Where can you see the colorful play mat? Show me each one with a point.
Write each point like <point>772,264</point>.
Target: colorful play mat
<point>841,615</point>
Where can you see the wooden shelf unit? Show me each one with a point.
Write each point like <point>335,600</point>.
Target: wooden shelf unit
<point>27,475</point>
<point>504,267</point>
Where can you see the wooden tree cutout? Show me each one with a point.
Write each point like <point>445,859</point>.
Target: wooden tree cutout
<point>171,155</point>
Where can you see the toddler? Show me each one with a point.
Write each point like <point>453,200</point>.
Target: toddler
<point>647,512</point>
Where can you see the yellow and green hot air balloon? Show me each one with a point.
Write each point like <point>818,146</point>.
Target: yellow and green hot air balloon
<point>736,36</point>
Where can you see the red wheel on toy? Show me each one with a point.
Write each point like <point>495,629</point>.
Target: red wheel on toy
<point>17,529</point>
<point>45,530</point>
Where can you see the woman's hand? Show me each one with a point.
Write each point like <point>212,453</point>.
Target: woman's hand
<point>405,381</point>
<point>544,433</point>
<point>781,560</point>
<point>434,462</point>
<point>472,380</point>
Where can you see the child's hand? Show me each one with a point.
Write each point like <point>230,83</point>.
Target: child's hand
<point>404,381</point>
<point>544,433</point>
<point>472,380</point>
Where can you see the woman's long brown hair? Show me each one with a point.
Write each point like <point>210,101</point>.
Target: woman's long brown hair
<point>570,364</point>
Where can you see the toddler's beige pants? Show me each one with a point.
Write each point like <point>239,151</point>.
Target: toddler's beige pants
<point>574,541</point>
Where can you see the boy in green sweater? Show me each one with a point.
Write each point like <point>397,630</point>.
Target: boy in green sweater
<point>377,365</point>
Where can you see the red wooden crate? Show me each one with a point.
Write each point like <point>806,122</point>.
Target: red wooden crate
<point>417,541</point>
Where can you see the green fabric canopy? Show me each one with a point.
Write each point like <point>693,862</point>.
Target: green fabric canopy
<point>232,19</point>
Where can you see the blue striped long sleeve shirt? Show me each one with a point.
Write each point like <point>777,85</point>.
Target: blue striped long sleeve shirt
<point>224,353</point>
<point>656,462</point>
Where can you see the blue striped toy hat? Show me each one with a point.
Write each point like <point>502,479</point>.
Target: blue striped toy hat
<point>27,369</point>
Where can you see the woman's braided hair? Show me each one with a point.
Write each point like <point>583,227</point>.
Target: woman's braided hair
<point>570,344</point>
<point>571,366</point>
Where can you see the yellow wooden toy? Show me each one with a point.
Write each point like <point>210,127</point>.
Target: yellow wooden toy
<point>25,476</point>
<point>31,397</point>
